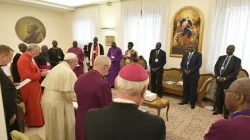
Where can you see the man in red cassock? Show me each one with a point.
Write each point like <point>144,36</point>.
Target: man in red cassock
<point>31,92</point>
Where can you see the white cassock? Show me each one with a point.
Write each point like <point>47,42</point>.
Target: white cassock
<point>58,110</point>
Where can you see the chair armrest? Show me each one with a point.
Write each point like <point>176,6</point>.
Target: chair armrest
<point>203,89</point>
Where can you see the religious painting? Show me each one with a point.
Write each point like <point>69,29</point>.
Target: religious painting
<point>30,30</point>
<point>187,31</point>
<point>109,40</point>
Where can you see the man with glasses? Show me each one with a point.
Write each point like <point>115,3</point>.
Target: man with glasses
<point>237,101</point>
<point>92,92</point>
<point>226,70</point>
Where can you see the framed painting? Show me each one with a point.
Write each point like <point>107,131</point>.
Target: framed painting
<point>109,40</point>
<point>187,31</point>
<point>30,30</point>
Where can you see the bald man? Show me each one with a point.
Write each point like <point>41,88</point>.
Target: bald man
<point>56,54</point>
<point>92,92</point>
<point>237,101</point>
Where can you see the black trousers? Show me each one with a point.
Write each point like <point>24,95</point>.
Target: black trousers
<point>156,82</point>
<point>190,85</point>
<point>220,99</point>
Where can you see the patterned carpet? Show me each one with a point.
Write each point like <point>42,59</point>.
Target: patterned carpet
<point>184,123</point>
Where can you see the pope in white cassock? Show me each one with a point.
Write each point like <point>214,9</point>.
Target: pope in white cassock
<point>57,100</point>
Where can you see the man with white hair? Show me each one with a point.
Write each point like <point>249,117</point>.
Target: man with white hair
<point>122,120</point>
<point>31,93</point>
<point>92,92</point>
<point>57,100</point>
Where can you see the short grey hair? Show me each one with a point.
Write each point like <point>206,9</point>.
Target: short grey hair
<point>129,87</point>
<point>33,47</point>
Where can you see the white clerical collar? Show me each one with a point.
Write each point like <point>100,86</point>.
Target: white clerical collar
<point>119,100</point>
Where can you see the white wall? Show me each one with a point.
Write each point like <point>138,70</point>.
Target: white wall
<point>58,25</point>
<point>112,15</point>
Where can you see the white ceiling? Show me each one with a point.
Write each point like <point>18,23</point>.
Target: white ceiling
<point>57,5</point>
<point>75,3</point>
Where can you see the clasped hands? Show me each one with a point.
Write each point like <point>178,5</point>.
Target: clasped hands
<point>221,79</point>
<point>186,72</point>
<point>155,69</point>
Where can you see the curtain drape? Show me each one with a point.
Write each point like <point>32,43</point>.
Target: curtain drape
<point>143,23</point>
<point>86,24</point>
<point>230,25</point>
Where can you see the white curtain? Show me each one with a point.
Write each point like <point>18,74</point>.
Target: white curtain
<point>86,24</point>
<point>230,25</point>
<point>143,23</point>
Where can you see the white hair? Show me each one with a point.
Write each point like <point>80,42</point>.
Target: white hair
<point>102,60</point>
<point>130,87</point>
<point>33,47</point>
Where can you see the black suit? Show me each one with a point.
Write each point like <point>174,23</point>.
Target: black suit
<point>230,74</point>
<point>190,81</point>
<point>14,71</point>
<point>156,76</point>
<point>9,94</point>
<point>55,55</point>
<point>90,51</point>
<point>121,121</point>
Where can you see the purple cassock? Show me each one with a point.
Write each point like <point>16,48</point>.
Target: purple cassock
<point>92,91</point>
<point>115,55</point>
<point>235,128</point>
<point>80,55</point>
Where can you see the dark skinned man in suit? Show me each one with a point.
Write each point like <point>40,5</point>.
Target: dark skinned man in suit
<point>190,65</point>
<point>226,70</point>
<point>157,60</point>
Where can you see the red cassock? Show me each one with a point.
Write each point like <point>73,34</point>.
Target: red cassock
<point>31,92</point>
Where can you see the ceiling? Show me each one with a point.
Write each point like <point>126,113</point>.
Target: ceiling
<point>58,5</point>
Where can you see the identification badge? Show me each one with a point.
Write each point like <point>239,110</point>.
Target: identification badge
<point>93,51</point>
<point>112,57</point>
<point>48,64</point>
<point>156,60</point>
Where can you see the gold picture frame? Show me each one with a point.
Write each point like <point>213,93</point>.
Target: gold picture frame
<point>30,30</point>
<point>109,40</point>
<point>186,31</point>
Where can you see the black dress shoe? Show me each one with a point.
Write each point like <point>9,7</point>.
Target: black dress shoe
<point>192,106</point>
<point>182,103</point>
<point>217,112</point>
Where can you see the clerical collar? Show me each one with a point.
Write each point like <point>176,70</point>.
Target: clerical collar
<point>120,100</point>
<point>241,113</point>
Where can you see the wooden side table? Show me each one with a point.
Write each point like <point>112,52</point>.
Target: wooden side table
<point>158,104</point>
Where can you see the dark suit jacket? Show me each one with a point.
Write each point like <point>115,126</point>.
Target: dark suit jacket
<point>121,121</point>
<point>53,56</point>
<point>231,71</point>
<point>194,64</point>
<point>14,71</point>
<point>101,50</point>
<point>161,59</point>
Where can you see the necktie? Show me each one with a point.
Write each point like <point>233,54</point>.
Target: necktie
<point>225,62</point>
<point>224,65</point>
<point>189,58</point>
<point>157,53</point>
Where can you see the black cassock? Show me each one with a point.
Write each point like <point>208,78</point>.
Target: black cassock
<point>9,94</point>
